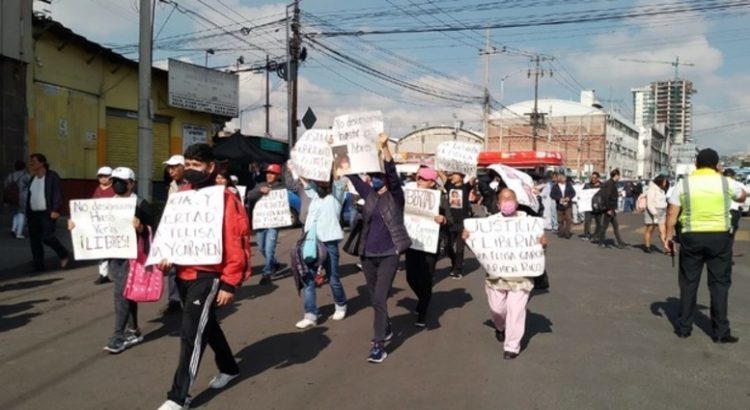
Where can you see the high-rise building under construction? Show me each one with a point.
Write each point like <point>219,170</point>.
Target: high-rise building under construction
<point>668,102</point>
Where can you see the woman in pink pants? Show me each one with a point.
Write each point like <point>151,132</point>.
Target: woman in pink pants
<point>507,297</point>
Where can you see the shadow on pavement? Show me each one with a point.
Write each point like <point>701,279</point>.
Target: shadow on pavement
<point>277,352</point>
<point>670,309</point>
<point>440,303</point>
<point>28,284</point>
<point>10,319</point>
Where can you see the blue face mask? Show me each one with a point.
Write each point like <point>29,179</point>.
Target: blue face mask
<point>377,183</point>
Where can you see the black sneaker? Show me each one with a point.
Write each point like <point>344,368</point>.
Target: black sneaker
<point>500,335</point>
<point>173,307</point>
<point>265,280</point>
<point>102,280</point>
<point>132,337</point>
<point>420,322</point>
<point>116,345</point>
<point>388,332</point>
<point>377,353</point>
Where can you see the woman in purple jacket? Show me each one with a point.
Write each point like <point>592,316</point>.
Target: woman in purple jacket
<point>384,239</point>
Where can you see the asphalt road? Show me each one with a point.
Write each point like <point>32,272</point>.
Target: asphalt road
<point>600,338</point>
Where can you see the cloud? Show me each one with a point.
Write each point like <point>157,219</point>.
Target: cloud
<point>101,19</point>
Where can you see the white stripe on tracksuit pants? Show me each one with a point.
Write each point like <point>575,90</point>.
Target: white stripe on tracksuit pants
<point>199,328</point>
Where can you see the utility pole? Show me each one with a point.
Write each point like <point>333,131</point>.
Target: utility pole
<point>293,51</point>
<point>268,101</point>
<point>145,134</point>
<point>537,120</point>
<point>486,100</point>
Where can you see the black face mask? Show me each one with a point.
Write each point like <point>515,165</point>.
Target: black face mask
<point>119,186</point>
<point>198,179</point>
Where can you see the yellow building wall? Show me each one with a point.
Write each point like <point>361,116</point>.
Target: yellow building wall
<point>67,84</point>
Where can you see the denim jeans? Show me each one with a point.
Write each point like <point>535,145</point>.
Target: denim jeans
<point>267,245</point>
<point>331,266</point>
<point>126,311</point>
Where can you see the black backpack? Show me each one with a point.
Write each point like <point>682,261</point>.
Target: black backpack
<point>597,203</point>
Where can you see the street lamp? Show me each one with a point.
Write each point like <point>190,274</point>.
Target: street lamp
<point>209,51</point>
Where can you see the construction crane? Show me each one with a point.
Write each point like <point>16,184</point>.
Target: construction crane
<point>676,64</point>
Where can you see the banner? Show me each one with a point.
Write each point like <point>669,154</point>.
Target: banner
<point>507,247</point>
<point>103,228</point>
<point>456,156</point>
<point>272,210</point>
<point>422,206</point>
<point>520,183</point>
<point>190,230</point>
<point>312,157</point>
<point>584,199</point>
<point>242,190</point>
<point>355,137</point>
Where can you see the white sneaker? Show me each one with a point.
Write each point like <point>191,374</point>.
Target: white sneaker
<point>221,380</point>
<point>171,405</point>
<point>306,322</point>
<point>340,313</point>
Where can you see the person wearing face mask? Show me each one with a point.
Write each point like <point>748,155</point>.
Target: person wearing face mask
<point>508,297</point>
<point>176,170</point>
<point>384,239</point>
<point>204,288</point>
<point>460,209</point>
<point>103,190</point>
<point>127,332</point>
<point>266,238</point>
<point>420,265</point>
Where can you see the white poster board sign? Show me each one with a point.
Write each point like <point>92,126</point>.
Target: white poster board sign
<point>584,199</point>
<point>422,206</point>
<point>355,148</point>
<point>457,156</point>
<point>190,230</point>
<point>242,190</point>
<point>272,210</point>
<point>103,228</point>
<point>507,247</point>
<point>520,183</point>
<point>312,157</point>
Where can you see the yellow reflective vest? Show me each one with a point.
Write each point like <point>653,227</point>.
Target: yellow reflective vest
<point>705,201</point>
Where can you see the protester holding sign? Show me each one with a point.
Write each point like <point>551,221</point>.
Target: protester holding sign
<point>267,238</point>
<point>563,193</point>
<point>203,288</point>
<point>459,209</point>
<point>326,200</point>
<point>103,190</point>
<point>127,332</point>
<point>594,185</point>
<point>176,172</point>
<point>420,264</point>
<point>508,295</point>
<point>384,239</point>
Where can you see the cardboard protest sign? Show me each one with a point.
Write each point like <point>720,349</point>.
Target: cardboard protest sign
<point>422,205</point>
<point>242,190</point>
<point>584,199</point>
<point>520,183</point>
<point>355,137</point>
<point>190,230</point>
<point>312,157</point>
<point>103,228</point>
<point>456,156</point>
<point>507,247</point>
<point>272,210</point>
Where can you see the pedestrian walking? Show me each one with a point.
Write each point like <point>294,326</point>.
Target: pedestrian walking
<point>103,190</point>
<point>127,332</point>
<point>734,209</point>
<point>43,208</point>
<point>594,183</point>
<point>629,197</point>
<point>267,238</point>
<point>384,239</point>
<point>508,297</point>
<point>563,193</point>
<point>655,215</point>
<point>420,265</point>
<point>15,194</point>
<point>702,202</point>
<point>176,170</point>
<point>205,288</point>
<point>326,200</point>
<point>459,208</point>
<point>609,196</point>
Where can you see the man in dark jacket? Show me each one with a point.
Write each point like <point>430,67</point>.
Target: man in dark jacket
<point>609,195</point>
<point>459,209</point>
<point>594,183</point>
<point>43,207</point>
<point>266,238</point>
<point>563,193</point>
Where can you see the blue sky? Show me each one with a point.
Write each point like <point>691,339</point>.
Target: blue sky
<point>586,54</point>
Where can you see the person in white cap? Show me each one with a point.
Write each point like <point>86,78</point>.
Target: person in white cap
<point>176,169</point>
<point>103,190</point>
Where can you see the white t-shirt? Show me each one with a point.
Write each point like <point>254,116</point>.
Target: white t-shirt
<point>735,187</point>
<point>37,201</point>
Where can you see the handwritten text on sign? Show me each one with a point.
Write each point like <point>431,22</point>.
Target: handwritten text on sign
<point>103,228</point>
<point>456,156</point>
<point>272,210</point>
<point>507,247</point>
<point>312,157</point>
<point>520,183</point>
<point>585,196</point>
<point>422,205</point>
<point>355,142</point>
<point>190,229</point>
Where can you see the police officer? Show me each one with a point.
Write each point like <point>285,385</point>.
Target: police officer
<point>701,202</point>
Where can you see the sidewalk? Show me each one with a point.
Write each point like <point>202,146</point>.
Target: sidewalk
<point>16,253</point>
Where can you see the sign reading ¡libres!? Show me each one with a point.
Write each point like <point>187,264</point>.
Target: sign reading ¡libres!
<point>198,88</point>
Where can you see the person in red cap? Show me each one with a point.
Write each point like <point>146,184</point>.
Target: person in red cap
<point>267,238</point>
<point>420,265</point>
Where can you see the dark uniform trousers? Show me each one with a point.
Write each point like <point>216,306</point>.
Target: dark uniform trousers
<point>715,251</point>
